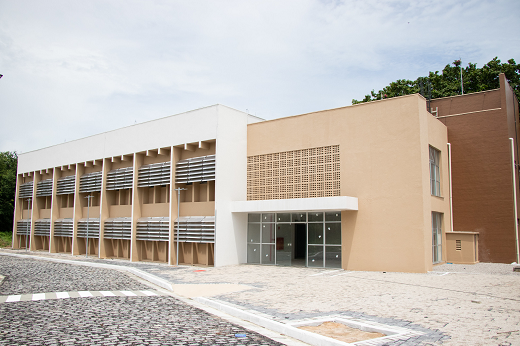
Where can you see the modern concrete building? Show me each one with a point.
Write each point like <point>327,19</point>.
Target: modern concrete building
<point>364,187</point>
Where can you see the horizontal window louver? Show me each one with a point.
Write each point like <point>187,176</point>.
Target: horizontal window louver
<point>93,228</point>
<point>118,228</point>
<point>197,169</point>
<point>90,182</point>
<point>63,228</point>
<point>119,179</point>
<point>26,190</point>
<point>44,188</point>
<point>154,174</point>
<point>153,228</point>
<point>66,185</point>
<point>42,227</point>
<point>23,227</point>
<point>196,229</point>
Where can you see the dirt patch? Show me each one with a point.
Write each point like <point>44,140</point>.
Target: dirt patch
<point>341,332</point>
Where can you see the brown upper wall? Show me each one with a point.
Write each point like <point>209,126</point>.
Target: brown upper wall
<point>479,101</point>
<point>479,128</point>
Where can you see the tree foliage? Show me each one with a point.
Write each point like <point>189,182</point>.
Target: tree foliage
<point>447,82</point>
<point>8,165</point>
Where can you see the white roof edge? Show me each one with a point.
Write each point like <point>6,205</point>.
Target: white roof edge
<point>123,127</point>
<point>296,204</point>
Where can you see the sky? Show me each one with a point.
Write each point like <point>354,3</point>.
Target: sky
<point>72,69</point>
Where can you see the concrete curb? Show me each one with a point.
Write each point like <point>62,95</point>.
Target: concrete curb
<point>143,275</point>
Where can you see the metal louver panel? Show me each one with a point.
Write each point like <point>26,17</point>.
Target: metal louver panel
<point>197,169</point>
<point>118,228</point>
<point>63,228</point>
<point>153,228</point>
<point>119,179</point>
<point>90,182</point>
<point>154,174</point>
<point>44,188</point>
<point>196,229</point>
<point>23,227</point>
<point>26,190</point>
<point>66,185</point>
<point>42,227</point>
<point>93,228</point>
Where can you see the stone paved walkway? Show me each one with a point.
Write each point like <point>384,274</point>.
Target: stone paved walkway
<point>452,305</point>
<point>112,309</point>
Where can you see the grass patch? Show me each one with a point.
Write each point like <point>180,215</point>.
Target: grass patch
<point>6,239</point>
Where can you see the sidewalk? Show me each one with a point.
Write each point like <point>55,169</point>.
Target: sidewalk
<point>452,305</point>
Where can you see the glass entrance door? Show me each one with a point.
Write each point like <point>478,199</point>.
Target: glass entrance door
<point>311,239</point>
<point>284,244</point>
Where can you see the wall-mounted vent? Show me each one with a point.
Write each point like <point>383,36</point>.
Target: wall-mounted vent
<point>153,228</point>
<point>90,182</point>
<point>63,228</point>
<point>196,229</point>
<point>42,227</point>
<point>118,228</point>
<point>26,190</point>
<point>66,185</point>
<point>120,179</point>
<point>23,227</point>
<point>458,245</point>
<point>197,169</point>
<point>154,174</point>
<point>44,188</point>
<point>93,228</point>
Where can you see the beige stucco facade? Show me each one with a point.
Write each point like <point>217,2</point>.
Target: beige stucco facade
<point>384,162</point>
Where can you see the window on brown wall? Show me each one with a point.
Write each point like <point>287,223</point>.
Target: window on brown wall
<point>304,173</point>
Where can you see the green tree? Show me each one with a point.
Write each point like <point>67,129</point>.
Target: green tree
<point>8,165</point>
<point>447,82</point>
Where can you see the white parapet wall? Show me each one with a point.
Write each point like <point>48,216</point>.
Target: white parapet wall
<point>192,126</point>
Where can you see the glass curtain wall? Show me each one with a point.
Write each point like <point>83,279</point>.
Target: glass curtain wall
<point>311,239</point>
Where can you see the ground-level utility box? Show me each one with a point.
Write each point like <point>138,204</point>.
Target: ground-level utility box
<point>462,247</point>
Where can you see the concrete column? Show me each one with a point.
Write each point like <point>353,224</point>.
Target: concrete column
<point>55,211</point>
<point>103,207</point>
<point>35,211</point>
<point>78,210</point>
<point>175,156</point>
<point>137,201</point>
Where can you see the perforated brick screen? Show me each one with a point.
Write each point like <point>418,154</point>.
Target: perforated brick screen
<point>304,173</point>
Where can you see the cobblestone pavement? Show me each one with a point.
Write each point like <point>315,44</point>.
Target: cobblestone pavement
<point>32,276</point>
<point>452,305</point>
<point>98,320</point>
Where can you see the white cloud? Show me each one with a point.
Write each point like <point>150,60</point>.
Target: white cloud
<point>72,69</point>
